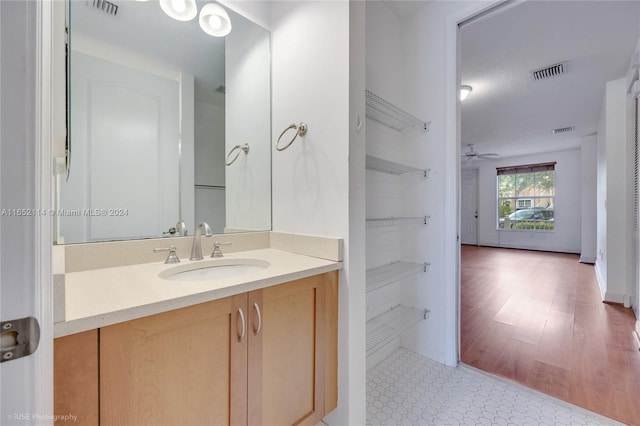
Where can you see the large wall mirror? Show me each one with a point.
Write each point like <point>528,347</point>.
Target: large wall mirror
<point>158,109</point>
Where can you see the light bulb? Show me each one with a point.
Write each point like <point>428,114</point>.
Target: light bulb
<point>181,10</point>
<point>215,22</point>
<point>179,5</point>
<point>464,92</point>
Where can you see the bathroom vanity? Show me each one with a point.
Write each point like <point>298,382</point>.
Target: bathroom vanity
<point>256,349</point>
<point>247,339</point>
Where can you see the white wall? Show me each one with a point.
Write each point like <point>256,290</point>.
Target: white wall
<point>614,263</point>
<point>384,54</point>
<point>601,199</point>
<point>247,120</point>
<point>566,236</point>
<point>430,89</point>
<point>209,164</point>
<point>258,11</point>
<point>589,179</point>
<point>26,384</point>
<point>310,64</point>
<point>352,372</point>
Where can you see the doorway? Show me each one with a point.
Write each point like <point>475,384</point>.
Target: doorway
<point>544,309</point>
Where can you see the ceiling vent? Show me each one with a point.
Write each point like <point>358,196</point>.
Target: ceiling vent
<point>104,6</point>
<point>563,130</point>
<point>548,72</point>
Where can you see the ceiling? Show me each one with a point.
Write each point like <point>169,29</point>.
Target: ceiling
<point>510,113</point>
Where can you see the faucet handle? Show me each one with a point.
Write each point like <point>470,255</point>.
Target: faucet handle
<point>216,248</point>
<point>172,257</point>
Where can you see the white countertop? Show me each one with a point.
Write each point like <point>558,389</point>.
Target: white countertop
<point>101,297</point>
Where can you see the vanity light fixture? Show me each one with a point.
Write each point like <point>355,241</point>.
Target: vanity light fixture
<point>214,20</point>
<point>181,10</point>
<point>464,92</point>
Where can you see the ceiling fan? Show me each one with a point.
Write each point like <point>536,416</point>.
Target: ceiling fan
<point>472,154</point>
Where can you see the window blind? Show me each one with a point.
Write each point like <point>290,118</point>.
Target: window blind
<point>528,168</point>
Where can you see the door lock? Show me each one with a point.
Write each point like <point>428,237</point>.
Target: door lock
<point>18,338</point>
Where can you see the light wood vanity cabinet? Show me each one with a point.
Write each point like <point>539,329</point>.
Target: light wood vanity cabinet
<point>268,357</point>
<point>173,368</point>
<point>75,378</point>
<point>293,359</point>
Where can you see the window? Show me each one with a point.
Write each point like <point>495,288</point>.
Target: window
<point>526,197</point>
<point>525,203</point>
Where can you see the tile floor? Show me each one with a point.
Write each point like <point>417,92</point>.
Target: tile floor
<point>408,389</point>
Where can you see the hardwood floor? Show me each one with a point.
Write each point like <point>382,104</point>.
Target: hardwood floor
<point>537,318</point>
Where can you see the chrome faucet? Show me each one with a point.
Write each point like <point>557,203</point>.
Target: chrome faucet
<point>172,257</point>
<point>181,228</point>
<point>196,247</point>
<point>216,249</point>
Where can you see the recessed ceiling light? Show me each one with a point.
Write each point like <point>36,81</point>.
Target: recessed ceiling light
<point>180,10</point>
<point>214,20</point>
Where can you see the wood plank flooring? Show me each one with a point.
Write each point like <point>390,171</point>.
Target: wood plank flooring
<point>537,318</point>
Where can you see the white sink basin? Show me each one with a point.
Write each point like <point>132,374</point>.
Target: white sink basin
<point>214,269</point>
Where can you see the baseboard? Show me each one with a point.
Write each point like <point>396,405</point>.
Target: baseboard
<point>530,248</point>
<point>602,283</point>
<point>587,259</point>
<point>614,298</point>
<point>636,334</point>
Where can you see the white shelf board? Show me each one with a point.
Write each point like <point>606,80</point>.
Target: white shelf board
<point>382,276</point>
<point>397,221</point>
<point>386,166</point>
<point>387,327</point>
<point>385,112</point>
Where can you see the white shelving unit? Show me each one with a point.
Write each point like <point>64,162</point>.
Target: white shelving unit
<point>387,327</point>
<point>383,276</point>
<point>385,112</point>
<point>386,166</point>
<point>391,320</point>
<point>397,221</point>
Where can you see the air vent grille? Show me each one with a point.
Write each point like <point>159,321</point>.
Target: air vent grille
<point>548,72</point>
<point>104,6</point>
<point>563,130</point>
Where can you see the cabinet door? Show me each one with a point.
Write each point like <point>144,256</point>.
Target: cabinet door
<point>293,357</point>
<point>183,367</point>
<point>75,378</point>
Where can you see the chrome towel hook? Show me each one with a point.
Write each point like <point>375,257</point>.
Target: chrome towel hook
<point>237,149</point>
<point>301,130</point>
